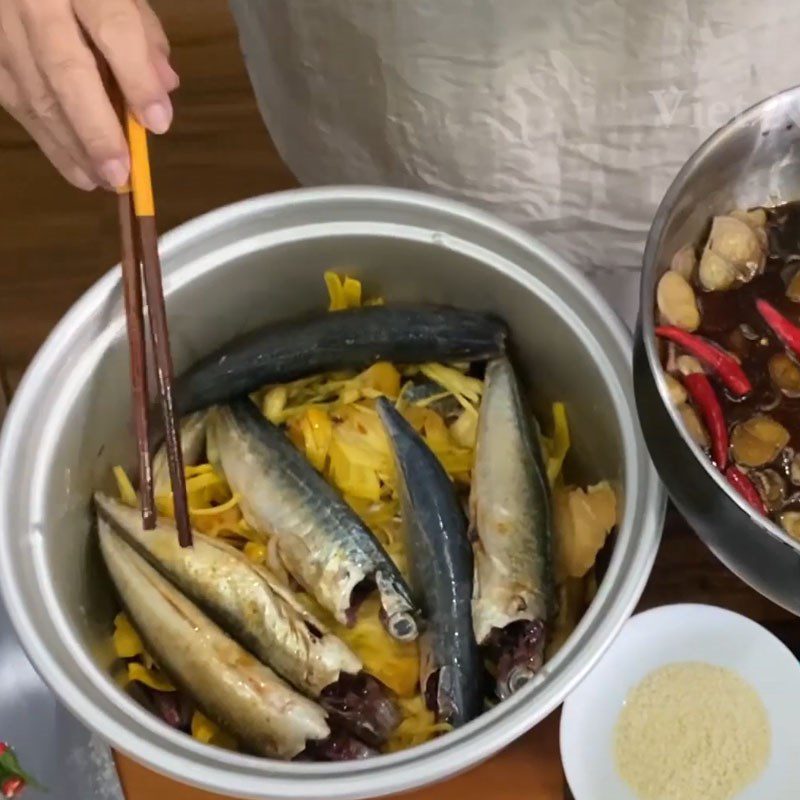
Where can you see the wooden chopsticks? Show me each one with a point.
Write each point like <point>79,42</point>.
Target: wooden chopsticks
<point>141,264</point>
<point>134,316</point>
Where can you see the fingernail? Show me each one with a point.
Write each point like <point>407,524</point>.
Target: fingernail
<point>115,171</point>
<point>157,117</point>
<point>82,180</point>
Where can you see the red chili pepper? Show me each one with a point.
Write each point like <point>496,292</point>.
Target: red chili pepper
<point>726,367</point>
<point>744,486</point>
<point>785,330</point>
<point>12,786</point>
<point>12,778</point>
<point>703,396</point>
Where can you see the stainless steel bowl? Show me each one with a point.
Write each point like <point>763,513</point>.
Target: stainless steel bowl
<point>225,273</point>
<point>753,160</point>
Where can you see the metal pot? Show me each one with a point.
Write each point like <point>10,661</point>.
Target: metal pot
<point>753,160</point>
<point>225,273</point>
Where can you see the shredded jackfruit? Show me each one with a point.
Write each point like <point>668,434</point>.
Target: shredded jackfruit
<point>127,494</point>
<point>208,732</point>
<point>558,444</point>
<point>465,389</point>
<point>332,420</point>
<point>149,676</point>
<point>213,508</point>
<point>394,663</point>
<point>418,726</point>
<point>127,642</point>
<point>140,667</point>
<point>382,378</point>
<point>583,520</point>
<point>343,292</point>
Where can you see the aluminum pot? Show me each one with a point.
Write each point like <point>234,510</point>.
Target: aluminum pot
<point>225,273</point>
<point>753,160</point>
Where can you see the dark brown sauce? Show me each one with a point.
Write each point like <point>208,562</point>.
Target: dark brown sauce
<point>723,315</point>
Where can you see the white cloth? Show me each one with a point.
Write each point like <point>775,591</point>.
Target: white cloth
<point>567,118</point>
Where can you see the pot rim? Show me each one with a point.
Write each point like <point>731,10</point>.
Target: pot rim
<point>639,536</point>
<point>754,115</point>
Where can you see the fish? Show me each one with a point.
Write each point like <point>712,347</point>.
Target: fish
<point>193,442</point>
<point>349,339</point>
<point>511,531</point>
<point>263,616</point>
<point>444,403</point>
<point>232,687</point>
<point>321,541</point>
<point>441,560</point>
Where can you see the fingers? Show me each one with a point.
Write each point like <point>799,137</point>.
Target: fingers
<point>51,83</point>
<point>153,28</point>
<point>71,71</point>
<point>37,103</point>
<point>118,30</point>
<point>169,78</point>
<point>59,156</point>
<point>159,46</point>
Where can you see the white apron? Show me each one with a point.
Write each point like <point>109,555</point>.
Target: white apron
<point>568,118</point>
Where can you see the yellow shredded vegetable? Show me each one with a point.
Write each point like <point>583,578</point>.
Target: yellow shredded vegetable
<point>140,667</point>
<point>465,429</point>
<point>208,732</point>
<point>150,677</point>
<point>394,663</point>
<point>274,402</point>
<point>583,520</point>
<point>331,419</point>
<point>380,379</point>
<point>465,389</point>
<point>558,445</point>
<point>127,643</point>
<point>343,292</point>
<point>417,727</point>
<point>312,432</point>
<point>193,470</point>
<point>127,494</point>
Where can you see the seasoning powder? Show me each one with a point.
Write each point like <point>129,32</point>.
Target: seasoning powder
<point>691,730</point>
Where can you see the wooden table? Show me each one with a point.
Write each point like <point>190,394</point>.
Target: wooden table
<point>57,241</point>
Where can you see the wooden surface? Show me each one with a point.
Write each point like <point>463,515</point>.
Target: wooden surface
<point>57,241</point>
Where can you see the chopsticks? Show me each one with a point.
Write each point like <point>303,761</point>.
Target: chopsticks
<point>141,265</point>
<point>134,316</point>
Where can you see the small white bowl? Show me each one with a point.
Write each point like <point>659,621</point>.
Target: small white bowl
<point>663,636</point>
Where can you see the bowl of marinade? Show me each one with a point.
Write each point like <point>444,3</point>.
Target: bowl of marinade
<point>420,504</point>
<point>717,360</point>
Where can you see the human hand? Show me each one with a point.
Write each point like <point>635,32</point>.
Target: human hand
<point>50,81</point>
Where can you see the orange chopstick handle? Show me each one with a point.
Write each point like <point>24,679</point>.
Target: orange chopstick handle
<point>141,183</point>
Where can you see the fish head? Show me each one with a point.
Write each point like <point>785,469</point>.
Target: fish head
<point>521,655</point>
